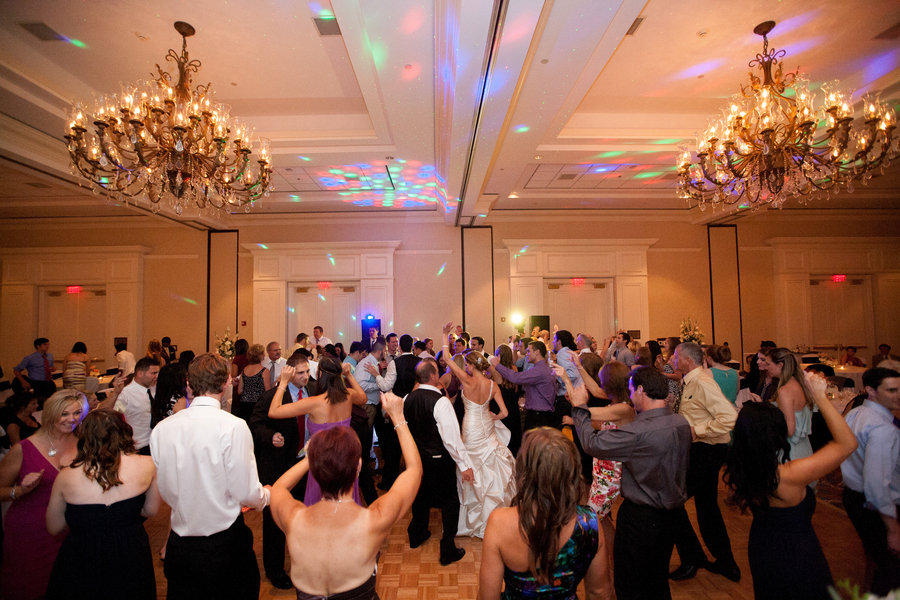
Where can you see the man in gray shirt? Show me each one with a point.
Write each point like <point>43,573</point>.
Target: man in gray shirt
<point>654,451</point>
<point>618,349</point>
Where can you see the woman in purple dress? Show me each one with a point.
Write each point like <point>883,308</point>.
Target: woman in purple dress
<point>331,408</point>
<point>26,477</point>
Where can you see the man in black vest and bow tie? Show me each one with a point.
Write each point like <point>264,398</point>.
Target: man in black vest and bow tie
<point>435,429</point>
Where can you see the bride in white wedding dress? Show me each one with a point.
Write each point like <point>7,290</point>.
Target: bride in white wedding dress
<point>485,438</point>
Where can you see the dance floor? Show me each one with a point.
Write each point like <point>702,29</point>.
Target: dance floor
<point>405,573</point>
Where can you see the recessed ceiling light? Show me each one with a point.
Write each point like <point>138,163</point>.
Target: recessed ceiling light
<point>141,36</point>
<point>703,32</point>
<point>513,195</point>
<point>700,76</point>
<point>234,83</point>
<point>407,67</point>
<point>538,157</point>
<point>545,61</point>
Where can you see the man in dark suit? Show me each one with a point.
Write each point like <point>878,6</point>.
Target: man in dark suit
<point>400,379</point>
<point>433,425</point>
<point>169,351</point>
<point>276,443</point>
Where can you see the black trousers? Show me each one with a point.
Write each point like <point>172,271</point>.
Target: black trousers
<point>438,490</point>
<point>706,461</point>
<point>540,418</point>
<point>643,545</point>
<point>364,432</point>
<point>216,567</point>
<point>274,539</point>
<point>390,449</point>
<point>873,534</point>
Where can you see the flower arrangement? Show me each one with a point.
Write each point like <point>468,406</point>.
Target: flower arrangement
<point>844,590</point>
<point>827,360</point>
<point>225,345</point>
<point>690,332</point>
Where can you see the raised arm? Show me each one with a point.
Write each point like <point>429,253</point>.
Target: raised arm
<point>806,470</point>
<point>593,387</point>
<point>282,504</point>
<point>461,374</point>
<point>398,500</point>
<point>277,410</point>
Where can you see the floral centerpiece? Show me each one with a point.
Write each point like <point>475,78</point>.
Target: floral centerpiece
<point>690,332</point>
<point>225,344</point>
<point>827,360</point>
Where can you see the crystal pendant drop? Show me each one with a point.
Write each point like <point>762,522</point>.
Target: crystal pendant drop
<point>179,146</point>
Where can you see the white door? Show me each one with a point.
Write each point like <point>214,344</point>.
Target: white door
<point>587,308</point>
<point>839,315</point>
<point>334,309</point>
<point>78,317</point>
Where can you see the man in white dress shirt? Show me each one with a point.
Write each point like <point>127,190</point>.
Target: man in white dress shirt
<point>274,361</point>
<point>319,338</point>
<point>434,427</point>
<point>135,402</point>
<point>206,472</point>
<point>125,359</point>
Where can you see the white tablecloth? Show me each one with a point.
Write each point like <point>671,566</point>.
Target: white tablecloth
<point>854,373</point>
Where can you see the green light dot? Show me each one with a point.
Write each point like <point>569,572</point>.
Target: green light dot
<point>78,43</point>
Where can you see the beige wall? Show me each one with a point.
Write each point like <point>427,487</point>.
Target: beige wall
<point>678,267</point>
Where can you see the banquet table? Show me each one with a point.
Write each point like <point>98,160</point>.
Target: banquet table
<point>854,373</point>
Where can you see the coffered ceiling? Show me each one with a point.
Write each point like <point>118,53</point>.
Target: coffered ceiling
<point>461,108</point>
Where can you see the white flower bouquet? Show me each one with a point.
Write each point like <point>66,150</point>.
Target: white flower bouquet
<point>225,344</point>
<point>827,360</point>
<point>690,332</point>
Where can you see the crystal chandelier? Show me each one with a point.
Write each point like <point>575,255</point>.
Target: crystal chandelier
<point>767,145</point>
<point>161,141</point>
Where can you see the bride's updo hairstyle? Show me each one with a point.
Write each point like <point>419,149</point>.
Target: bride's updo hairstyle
<point>330,381</point>
<point>549,483</point>
<point>477,360</point>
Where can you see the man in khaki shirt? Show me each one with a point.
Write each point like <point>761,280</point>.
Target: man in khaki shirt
<point>711,417</point>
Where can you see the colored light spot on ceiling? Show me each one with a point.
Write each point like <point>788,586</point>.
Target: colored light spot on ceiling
<point>668,141</point>
<point>294,198</point>
<point>610,154</point>
<point>322,297</point>
<point>521,129</point>
<point>647,175</point>
<point>391,324</point>
<point>482,216</point>
<point>441,270</point>
<point>700,69</point>
<point>263,246</point>
<point>353,317</point>
<point>291,309</point>
<point>803,45</point>
<point>78,43</point>
<point>336,171</point>
<point>189,301</point>
<point>331,258</point>
<point>417,324</point>
<point>379,54</point>
<point>413,20</point>
<point>341,333</point>
<point>306,158</point>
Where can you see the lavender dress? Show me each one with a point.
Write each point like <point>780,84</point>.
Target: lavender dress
<point>313,491</point>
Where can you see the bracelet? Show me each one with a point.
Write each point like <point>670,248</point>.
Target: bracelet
<point>283,389</point>
<point>400,423</point>
<point>12,492</point>
<point>445,346</point>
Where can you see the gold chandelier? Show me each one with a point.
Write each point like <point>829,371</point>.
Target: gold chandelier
<point>161,141</point>
<point>764,148</point>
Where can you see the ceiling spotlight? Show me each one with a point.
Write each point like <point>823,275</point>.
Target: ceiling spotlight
<point>703,32</point>
<point>545,61</point>
<point>538,157</point>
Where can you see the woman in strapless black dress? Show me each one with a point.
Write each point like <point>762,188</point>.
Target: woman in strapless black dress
<point>103,499</point>
<point>786,558</point>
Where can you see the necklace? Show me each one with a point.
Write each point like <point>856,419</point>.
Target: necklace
<point>53,451</point>
<point>336,502</point>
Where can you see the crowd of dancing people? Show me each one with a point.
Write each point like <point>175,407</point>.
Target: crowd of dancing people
<point>532,448</point>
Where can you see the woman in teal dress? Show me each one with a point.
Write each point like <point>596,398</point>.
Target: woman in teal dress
<point>545,544</point>
<point>726,377</point>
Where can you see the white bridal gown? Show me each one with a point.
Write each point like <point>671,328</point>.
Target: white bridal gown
<point>493,464</point>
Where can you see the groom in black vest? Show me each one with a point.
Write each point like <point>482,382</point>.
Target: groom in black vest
<point>435,429</point>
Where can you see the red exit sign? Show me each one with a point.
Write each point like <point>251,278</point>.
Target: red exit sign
<point>838,278</point>
<point>578,281</point>
<point>74,289</point>
<point>324,285</point>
